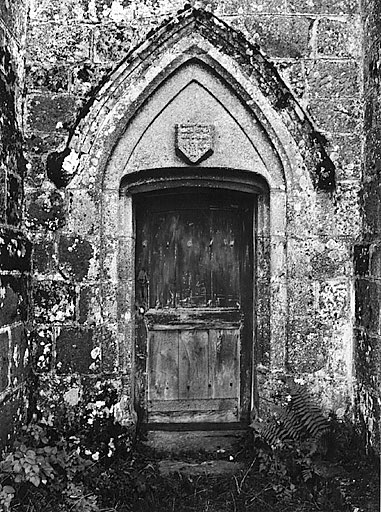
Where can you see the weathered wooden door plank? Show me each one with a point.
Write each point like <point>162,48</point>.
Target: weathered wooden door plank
<point>223,363</point>
<point>163,365</point>
<point>193,364</point>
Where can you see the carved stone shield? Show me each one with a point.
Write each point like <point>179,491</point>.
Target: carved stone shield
<point>194,142</point>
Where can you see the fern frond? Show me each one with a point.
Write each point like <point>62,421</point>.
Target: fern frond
<point>300,419</point>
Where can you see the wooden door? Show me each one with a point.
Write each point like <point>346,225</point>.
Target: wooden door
<point>194,291</point>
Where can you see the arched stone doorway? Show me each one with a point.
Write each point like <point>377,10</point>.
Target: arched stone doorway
<point>194,109</point>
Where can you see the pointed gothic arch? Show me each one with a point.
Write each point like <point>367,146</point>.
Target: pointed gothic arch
<point>193,69</point>
<point>195,33</point>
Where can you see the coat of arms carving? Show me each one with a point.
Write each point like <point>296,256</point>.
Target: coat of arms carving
<point>194,142</point>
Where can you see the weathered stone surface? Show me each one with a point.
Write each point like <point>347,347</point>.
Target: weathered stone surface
<point>4,359</point>
<point>53,42</point>
<point>70,47</point>
<point>338,38</point>
<point>42,345</point>
<point>13,299</point>
<point>54,79</point>
<point>294,74</point>
<point>43,257</point>
<point>19,367</point>
<point>211,467</point>
<point>334,79</point>
<point>113,41</point>
<point>342,116</point>
<point>73,351</point>
<point>15,249</point>
<point>53,302</point>
<point>246,6</point>
<point>279,36</point>
<point>110,349</point>
<point>306,338</point>
<point>74,255</point>
<point>323,6</point>
<point>368,298</point>
<point>14,252</point>
<point>46,209</point>
<point>49,112</point>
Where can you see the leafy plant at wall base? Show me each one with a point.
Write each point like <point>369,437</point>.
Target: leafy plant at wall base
<point>291,446</point>
<point>33,460</point>
<point>300,419</point>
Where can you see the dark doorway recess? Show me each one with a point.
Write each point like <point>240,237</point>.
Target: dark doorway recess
<point>194,267</point>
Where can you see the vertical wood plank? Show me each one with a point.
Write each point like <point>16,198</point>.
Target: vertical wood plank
<point>163,365</point>
<point>223,363</point>
<point>193,364</point>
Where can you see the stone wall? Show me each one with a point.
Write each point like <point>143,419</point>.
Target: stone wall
<point>14,247</point>
<point>71,45</point>
<point>368,255</point>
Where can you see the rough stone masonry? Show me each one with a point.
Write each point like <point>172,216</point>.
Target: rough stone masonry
<point>74,77</point>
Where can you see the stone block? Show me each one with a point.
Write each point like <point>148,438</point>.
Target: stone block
<point>368,359</point>
<point>50,78</point>
<point>56,10</point>
<point>262,306</point>
<point>331,258</point>
<point>57,43</point>
<point>111,213</point>
<point>323,6</point>
<point>13,299</point>
<point>110,349</point>
<point>302,295</point>
<point>3,185</point>
<point>15,251</point>
<point>339,38</point>
<point>4,359</point>
<point>361,256</point>
<point>90,311</point>
<point>231,7</point>
<point>13,416</point>
<point>334,301</point>
<point>85,76</point>
<point>14,200</point>
<point>124,260</point>
<point>48,112</point>
<point>42,143</point>
<point>345,152</point>
<point>44,259</point>
<point>301,214</point>
<point>375,260</point>
<point>35,171</point>
<point>74,256</point>
<point>113,41</point>
<point>20,359</point>
<point>83,213</point>
<point>53,302</point>
<point>347,208</point>
<point>45,209</point>
<point>294,75</point>
<point>307,350</point>
<point>318,258</point>
<point>263,257</point>
<point>124,293</point>
<point>73,351</point>
<point>278,36</point>
<point>42,345</point>
<point>337,116</point>
<point>328,79</point>
<point>367,305</point>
